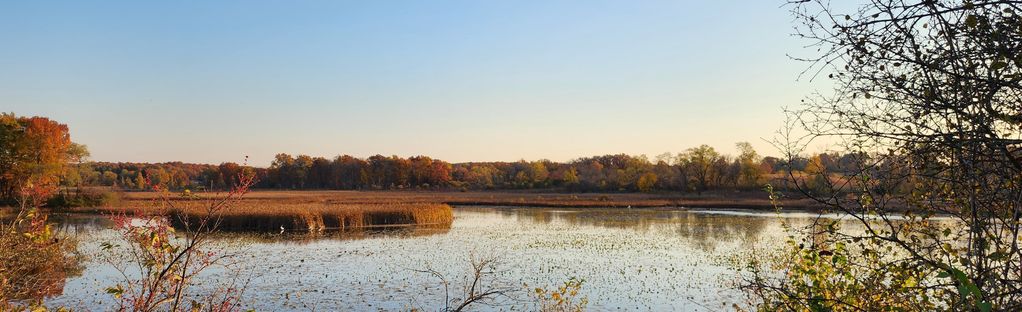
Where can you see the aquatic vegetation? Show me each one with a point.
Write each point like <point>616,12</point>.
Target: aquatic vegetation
<point>280,216</point>
<point>565,298</point>
<point>637,259</point>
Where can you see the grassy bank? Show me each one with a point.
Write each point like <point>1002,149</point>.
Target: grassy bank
<point>744,200</point>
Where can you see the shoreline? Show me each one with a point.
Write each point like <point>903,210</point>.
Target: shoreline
<point>746,200</point>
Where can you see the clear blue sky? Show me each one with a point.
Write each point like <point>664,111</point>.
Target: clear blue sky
<point>213,81</point>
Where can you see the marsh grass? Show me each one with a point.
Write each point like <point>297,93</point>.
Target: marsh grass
<point>312,216</point>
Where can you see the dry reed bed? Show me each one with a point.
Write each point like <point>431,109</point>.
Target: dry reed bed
<point>302,215</point>
<point>272,216</point>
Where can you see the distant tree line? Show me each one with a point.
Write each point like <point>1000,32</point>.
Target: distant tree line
<point>696,169</point>
<point>38,152</point>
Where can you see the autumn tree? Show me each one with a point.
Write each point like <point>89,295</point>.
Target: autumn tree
<point>280,170</point>
<point>426,172</point>
<point>226,175</point>
<point>139,181</point>
<point>817,175</point>
<point>482,176</point>
<point>538,173</point>
<point>108,178</point>
<point>350,172</point>
<point>749,162</point>
<point>725,172</point>
<point>33,151</point>
<point>570,177</point>
<point>319,176</point>
<point>926,94</point>
<point>440,173</point>
<point>77,171</point>
<point>301,170</point>
<point>647,182</point>
<point>699,162</point>
<point>668,177</point>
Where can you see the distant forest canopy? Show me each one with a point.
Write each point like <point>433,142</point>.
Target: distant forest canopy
<point>695,170</point>
<point>37,153</point>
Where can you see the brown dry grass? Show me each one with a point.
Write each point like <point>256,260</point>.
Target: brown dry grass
<point>321,210</point>
<point>310,216</point>
<point>728,199</point>
<point>302,214</point>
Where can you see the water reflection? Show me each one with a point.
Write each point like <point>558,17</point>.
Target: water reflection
<point>649,259</point>
<point>35,263</point>
<point>305,237</point>
<point>79,225</point>
<point>702,229</point>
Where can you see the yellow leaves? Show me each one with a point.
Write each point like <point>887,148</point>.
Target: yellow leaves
<point>821,271</point>
<point>910,282</point>
<point>155,240</point>
<point>564,298</point>
<point>117,291</point>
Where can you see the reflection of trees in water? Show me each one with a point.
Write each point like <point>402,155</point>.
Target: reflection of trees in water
<point>541,216</point>
<point>39,277</point>
<point>85,223</point>
<point>35,260</point>
<point>704,231</point>
<point>80,223</point>
<point>306,237</point>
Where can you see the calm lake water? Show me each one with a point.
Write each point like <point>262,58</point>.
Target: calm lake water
<point>630,259</point>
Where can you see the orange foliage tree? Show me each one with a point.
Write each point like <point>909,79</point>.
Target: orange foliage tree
<point>34,152</point>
